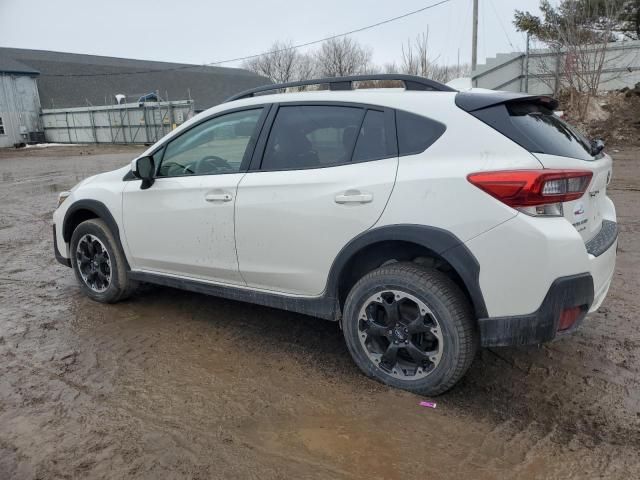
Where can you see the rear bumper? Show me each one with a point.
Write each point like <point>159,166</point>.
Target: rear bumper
<point>585,290</point>
<point>542,325</point>
<point>602,264</point>
<point>59,257</point>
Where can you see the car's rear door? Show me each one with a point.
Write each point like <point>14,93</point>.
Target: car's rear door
<point>322,174</point>
<point>184,224</point>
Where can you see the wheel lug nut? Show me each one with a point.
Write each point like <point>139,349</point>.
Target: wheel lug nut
<point>390,332</point>
<point>406,330</point>
<point>395,341</point>
<point>406,342</point>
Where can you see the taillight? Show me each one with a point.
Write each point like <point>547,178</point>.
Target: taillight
<point>535,192</point>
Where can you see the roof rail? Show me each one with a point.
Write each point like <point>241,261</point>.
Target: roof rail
<point>411,82</point>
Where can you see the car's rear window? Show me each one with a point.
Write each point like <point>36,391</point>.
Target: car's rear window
<point>537,128</point>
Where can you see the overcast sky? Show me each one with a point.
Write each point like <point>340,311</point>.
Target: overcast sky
<point>206,31</point>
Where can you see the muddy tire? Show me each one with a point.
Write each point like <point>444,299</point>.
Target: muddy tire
<point>410,327</point>
<point>99,263</point>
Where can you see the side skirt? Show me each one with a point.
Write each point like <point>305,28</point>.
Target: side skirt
<point>322,307</point>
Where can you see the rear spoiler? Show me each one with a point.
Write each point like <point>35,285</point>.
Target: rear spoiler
<point>472,101</point>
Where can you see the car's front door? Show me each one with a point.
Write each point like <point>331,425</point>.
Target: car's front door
<point>325,177</point>
<point>184,224</point>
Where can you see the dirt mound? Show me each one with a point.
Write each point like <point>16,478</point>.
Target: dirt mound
<point>612,117</point>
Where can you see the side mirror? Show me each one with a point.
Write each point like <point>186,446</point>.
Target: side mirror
<point>597,146</point>
<point>144,168</point>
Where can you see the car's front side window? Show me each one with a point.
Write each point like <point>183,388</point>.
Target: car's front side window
<point>215,146</point>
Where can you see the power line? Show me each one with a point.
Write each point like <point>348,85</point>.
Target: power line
<point>249,57</point>
<point>501,24</point>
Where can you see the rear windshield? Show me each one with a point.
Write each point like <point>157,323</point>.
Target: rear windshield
<point>537,129</point>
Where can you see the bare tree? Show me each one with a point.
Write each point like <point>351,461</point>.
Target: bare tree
<point>446,73</point>
<point>415,56</point>
<point>282,63</point>
<point>345,56</point>
<point>342,56</point>
<point>306,67</point>
<point>416,60</point>
<point>580,34</point>
<point>390,68</point>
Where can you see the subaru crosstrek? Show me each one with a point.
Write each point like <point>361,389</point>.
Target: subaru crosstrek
<point>428,222</point>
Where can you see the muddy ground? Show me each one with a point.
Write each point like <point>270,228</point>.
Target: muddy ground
<point>177,385</point>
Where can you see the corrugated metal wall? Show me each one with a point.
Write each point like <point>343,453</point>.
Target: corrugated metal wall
<point>621,68</point>
<point>19,108</point>
<point>126,123</point>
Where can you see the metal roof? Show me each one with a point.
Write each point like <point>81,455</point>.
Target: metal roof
<point>9,65</point>
<point>73,80</point>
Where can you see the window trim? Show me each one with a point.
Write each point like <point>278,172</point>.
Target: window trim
<point>248,154</point>
<point>389,123</point>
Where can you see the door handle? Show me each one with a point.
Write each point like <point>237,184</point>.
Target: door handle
<point>218,197</point>
<point>354,196</point>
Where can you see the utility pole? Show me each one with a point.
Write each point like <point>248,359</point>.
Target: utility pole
<point>474,40</point>
<point>526,66</point>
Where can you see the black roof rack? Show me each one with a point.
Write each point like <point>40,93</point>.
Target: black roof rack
<point>411,82</point>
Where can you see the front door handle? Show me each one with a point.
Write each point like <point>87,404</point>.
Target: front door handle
<point>218,197</point>
<point>354,196</point>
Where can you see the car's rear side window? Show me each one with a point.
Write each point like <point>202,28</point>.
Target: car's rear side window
<point>416,133</point>
<point>311,136</point>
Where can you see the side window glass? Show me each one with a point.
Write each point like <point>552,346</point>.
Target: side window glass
<point>311,137</point>
<point>416,133</point>
<point>372,140</point>
<point>215,146</point>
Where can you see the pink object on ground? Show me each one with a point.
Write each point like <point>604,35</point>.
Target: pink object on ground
<point>428,404</point>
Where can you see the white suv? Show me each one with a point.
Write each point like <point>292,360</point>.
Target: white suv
<point>427,221</point>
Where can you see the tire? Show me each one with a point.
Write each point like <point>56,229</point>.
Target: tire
<point>104,278</point>
<point>432,338</point>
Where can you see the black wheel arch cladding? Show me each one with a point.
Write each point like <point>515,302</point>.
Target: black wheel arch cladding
<point>442,242</point>
<point>99,210</point>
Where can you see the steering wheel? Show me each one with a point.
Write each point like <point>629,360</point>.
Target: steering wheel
<point>212,164</point>
<point>173,168</point>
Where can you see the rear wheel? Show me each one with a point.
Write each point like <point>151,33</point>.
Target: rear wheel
<point>410,327</point>
<point>99,263</point>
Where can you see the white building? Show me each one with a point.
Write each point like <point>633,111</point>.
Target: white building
<point>19,103</point>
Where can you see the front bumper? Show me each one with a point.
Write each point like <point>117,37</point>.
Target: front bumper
<point>542,325</point>
<point>59,257</point>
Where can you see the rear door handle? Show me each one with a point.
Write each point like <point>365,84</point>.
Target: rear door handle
<point>218,197</point>
<point>354,196</point>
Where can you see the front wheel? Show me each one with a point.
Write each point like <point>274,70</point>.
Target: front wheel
<point>98,263</point>
<point>410,327</point>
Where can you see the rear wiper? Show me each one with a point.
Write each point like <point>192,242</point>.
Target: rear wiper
<point>597,146</point>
